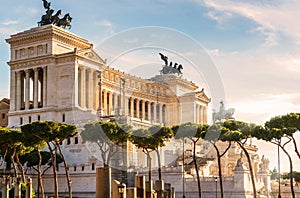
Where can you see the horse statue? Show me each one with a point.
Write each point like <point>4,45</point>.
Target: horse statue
<point>46,18</point>
<point>170,69</point>
<point>55,18</point>
<point>223,114</point>
<point>65,21</point>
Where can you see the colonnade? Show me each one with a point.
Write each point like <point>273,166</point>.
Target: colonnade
<point>201,114</point>
<point>114,101</point>
<point>30,88</point>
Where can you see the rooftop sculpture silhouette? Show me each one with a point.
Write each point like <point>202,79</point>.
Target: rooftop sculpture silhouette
<point>55,19</point>
<point>168,68</point>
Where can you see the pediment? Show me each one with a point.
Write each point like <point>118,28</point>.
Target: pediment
<point>4,104</point>
<point>201,95</point>
<point>91,55</point>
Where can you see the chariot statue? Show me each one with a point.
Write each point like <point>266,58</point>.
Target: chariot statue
<point>169,68</point>
<point>55,19</point>
<point>223,114</point>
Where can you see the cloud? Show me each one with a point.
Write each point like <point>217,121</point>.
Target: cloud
<point>9,22</point>
<point>6,31</point>
<point>105,23</point>
<point>271,18</point>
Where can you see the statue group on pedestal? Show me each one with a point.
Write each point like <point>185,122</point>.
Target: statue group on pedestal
<point>223,114</point>
<point>55,19</point>
<point>169,68</point>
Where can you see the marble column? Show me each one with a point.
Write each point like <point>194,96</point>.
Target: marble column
<point>160,113</point>
<point>149,111</point>
<point>110,102</point>
<point>116,107</point>
<point>126,110</point>
<point>96,92</point>
<point>137,107</point>
<point>27,88</point>
<point>105,110</point>
<point>36,88</point>
<point>18,94</point>
<point>204,115</point>
<point>44,98</point>
<point>143,109</point>
<point>91,90</point>
<point>12,90</point>
<point>131,107</point>
<point>154,113</point>
<point>82,87</point>
<point>22,91</point>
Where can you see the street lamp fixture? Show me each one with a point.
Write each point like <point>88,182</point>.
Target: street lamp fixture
<point>121,188</point>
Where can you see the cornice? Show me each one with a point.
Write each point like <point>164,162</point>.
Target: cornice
<point>48,32</point>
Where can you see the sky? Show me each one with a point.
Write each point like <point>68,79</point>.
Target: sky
<point>250,48</point>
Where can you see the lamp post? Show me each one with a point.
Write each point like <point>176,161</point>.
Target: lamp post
<point>121,188</point>
<point>216,180</point>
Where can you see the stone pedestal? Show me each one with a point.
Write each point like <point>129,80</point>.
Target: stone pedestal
<point>5,187</point>
<point>140,184</point>
<point>115,190</point>
<point>159,187</point>
<point>103,182</point>
<point>149,189</point>
<point>168,190</point>
<point>131,193</point>
<point>242,182</point>
<point>17,184</point>
<point>28,188</point>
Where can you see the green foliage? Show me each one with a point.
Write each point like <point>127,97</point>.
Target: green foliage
<point>151,138</point>
<point>296,176</point>
<point>190,130</point>
<point>48,131</point>
<point>106,132</point>
<point>32,159</point>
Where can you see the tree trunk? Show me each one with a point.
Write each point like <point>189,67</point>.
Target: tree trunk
<point>149,164</point>
<point>13,162</point>
<point>159,165</point>
<point>40,174</point>
<point>3,158</point>
<point>21,168</point>
<point>291,171</point>
<point>295,146</point>
<point>66,169</point>
<point>54,170</point>
<point>197,171</point>
<point>250,167</point>
<point>220,170</point>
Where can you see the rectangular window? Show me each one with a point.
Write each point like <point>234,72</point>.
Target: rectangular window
<point>29,119</point>
<point>68,141</point>
<point>82,168</point>
<point>39,117</point>
<point>93,166</point>
<point>75,168</point>
<point>63,117</point>
<point>3,115</point>
<point>21,121</point>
